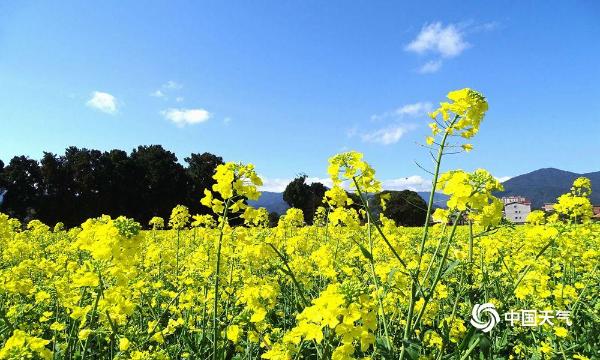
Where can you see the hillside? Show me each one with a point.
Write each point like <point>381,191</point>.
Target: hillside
<point>540,186</point>
<point>545,185</point>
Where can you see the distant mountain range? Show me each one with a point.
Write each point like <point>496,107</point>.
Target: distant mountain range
<point>540,186</point>
<point>273,201</point>
<point>545,185</point>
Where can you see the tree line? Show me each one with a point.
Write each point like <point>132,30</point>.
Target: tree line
<point>406,207</point>
<point>150,181</point>
<point>85,183</point>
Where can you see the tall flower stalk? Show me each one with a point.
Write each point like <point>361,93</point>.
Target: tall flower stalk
<point>235,183</point>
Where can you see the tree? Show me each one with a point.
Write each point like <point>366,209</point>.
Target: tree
<point>273,219</point>
<point>162,181</point>
<point>200,171</point>
<point>87,183</point>
<point>22,179</point>
<point>305,197</point>
<point>88,179</point>
<point>123,189</point>
<point>2,183</point>
<point>406,207</point>
<point>318,191</point>
<point>57,201</point>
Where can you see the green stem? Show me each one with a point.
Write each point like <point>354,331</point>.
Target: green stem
<point>396,255</point>
<point>470,349</point>
<point>216,287</point>
<point>93,317</point>
<point>177,259</point>
<point>413,292</point>
<point>470,242</point>
<point>436,174</point>
<point>439,271</point>
<point>291,274</point>
<point>376,282</point>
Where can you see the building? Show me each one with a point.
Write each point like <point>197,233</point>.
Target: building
<point>516,209</point>
<point>548,207</point>
<point>596,211</point>
<point>513,199</point>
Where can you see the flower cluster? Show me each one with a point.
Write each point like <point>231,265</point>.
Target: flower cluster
<point>234,184</point>
<point>471,194</point>
<point>462,116</point>
<point>576,204</point>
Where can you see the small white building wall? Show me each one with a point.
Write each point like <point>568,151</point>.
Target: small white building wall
<point>516,212</point>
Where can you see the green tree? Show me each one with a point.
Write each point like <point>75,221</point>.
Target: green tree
<point>22,180</point>
<point>273,219</point>
<point>200,171</point>
<point>299,195</point>
<point>303,196</point>
<point>406,207</point>
<point>162,181</point>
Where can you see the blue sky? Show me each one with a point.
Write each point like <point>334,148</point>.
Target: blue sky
<point>286,84</point>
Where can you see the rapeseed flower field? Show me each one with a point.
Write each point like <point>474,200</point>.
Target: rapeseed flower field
<point>352,286</point>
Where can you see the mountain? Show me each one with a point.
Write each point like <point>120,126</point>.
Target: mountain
<point>439,199</point>
<point>273,201</point>
<point>540,186</point>
<point>545,185</point>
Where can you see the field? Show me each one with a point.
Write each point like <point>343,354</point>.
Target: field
<point>352,286</point>
<point>292,291</point>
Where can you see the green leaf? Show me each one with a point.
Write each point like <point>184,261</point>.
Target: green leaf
<point>365,252</point>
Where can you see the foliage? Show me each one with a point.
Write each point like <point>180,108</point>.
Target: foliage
<point>308,198</point>
<point>406,207</point>
<point>85,183</point>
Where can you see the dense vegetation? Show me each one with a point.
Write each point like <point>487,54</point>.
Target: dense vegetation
<point>86,183</point>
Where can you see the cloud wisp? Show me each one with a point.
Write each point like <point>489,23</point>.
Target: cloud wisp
<point>414,183</point>
<point>386,136</point>
<point>446,41</point>
<point>396,128</point>
<point>166,88</point>
<point>430,67</point>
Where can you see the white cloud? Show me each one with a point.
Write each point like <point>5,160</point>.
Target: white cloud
<point>503,178</point>
<point>104,102</point>
<point>446,41</point>
<point>409,110</point>
<point>392,133</point>
<point>166,88</point>
<point>485,27</point>
<point>226,120</point>
<point>430,67</point>
<point>172,85</point>
<point>182,117</point>
<point>416,109</point>
<point>385,136</point>
<point>279,184</point>
<point>414,183</point>
<point>274,185</point>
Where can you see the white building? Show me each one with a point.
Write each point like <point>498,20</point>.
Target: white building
<point>516,209</point>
